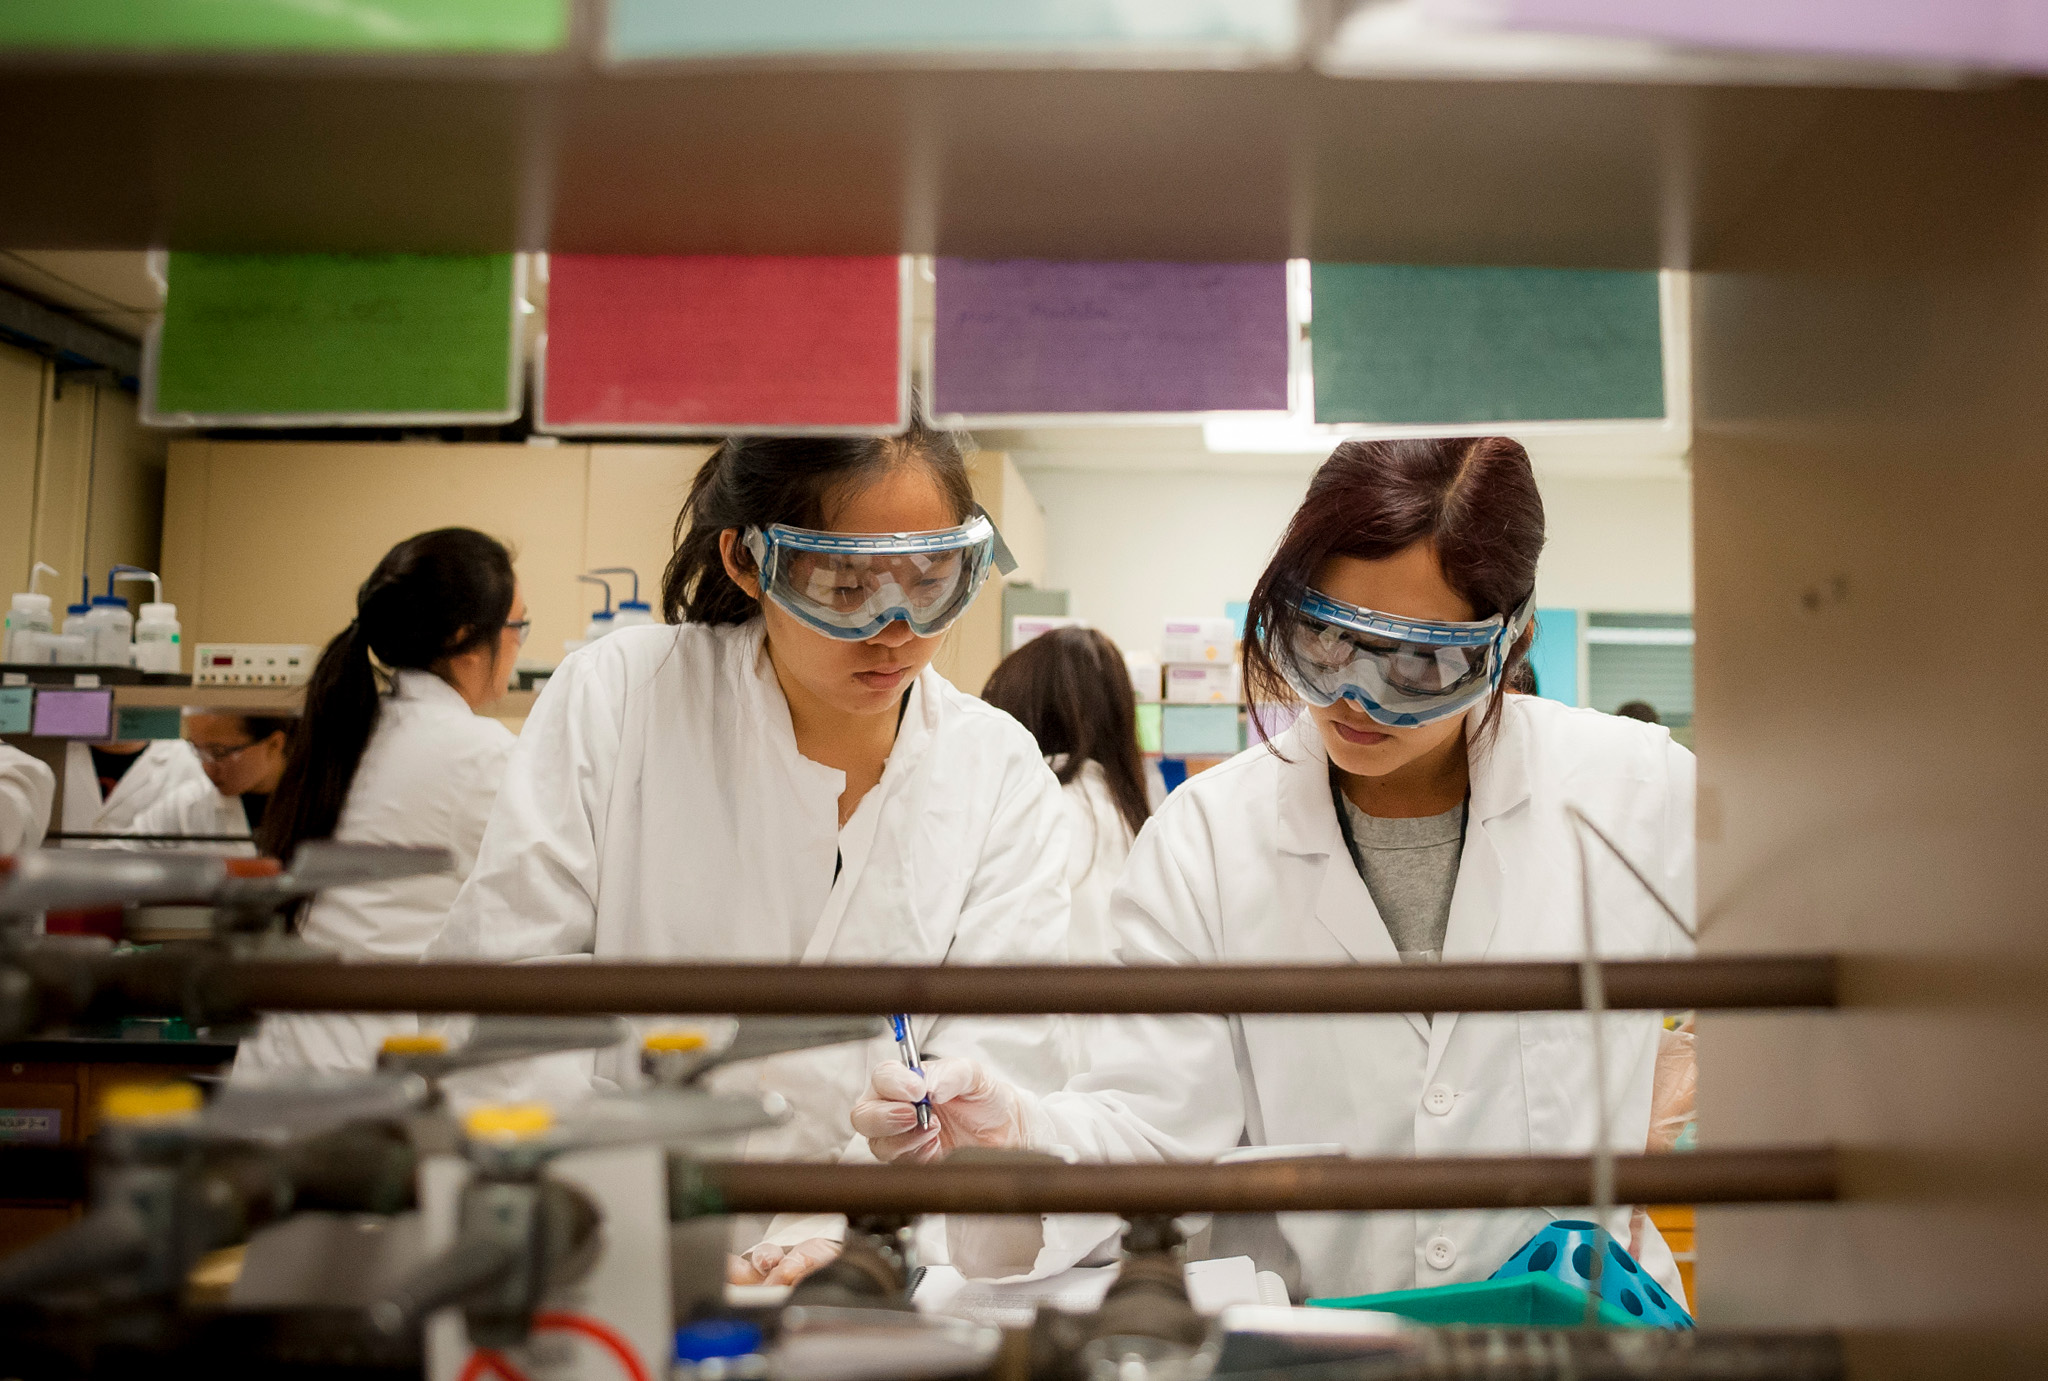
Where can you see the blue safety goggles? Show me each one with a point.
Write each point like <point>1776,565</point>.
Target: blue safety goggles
<point>1402,672</point>
<point>852,585</point>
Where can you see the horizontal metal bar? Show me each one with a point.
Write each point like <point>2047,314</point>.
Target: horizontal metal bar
<point>66,836</point>
<point>1318,1184</point>
<point>1771,981</point>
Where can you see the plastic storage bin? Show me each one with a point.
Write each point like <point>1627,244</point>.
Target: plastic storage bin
<point>1199,730</point>
<point>1524,1301</point>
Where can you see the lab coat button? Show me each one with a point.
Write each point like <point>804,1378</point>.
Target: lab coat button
<point>1439,1098</point>
<point>1440,1253</point>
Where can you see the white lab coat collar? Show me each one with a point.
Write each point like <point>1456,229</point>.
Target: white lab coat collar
<point>768,707</point>
<point>1308,818</point>
<point>1308,827</point>
<point>427,688</point>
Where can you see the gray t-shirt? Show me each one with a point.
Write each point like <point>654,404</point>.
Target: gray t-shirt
<point>1411,869</point>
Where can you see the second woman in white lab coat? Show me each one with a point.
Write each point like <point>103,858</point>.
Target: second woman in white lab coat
<point>1070,688</point>
<point>1414,812</point>
<point>27,786</point>
<point>106,785</point>
<point>779,775</point>
<point>241,759</point>
<point>393,749</point>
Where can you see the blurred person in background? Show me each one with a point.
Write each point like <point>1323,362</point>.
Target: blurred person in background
<point>1070,688</point>
<point>241,758</point>
<point>1640,710</point>
<point>394,748</point>
<point>106,785</point>
<point>27,786</point>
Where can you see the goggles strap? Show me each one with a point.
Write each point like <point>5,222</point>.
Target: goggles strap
<point>1005,563</point>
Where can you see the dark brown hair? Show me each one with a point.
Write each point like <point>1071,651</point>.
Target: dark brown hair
<point>1473,499</point>
<point>433,596</point>
<point>753,481</point>
<point>1070,688</point>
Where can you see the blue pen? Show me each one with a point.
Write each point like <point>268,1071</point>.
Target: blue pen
<point>906,1047</point>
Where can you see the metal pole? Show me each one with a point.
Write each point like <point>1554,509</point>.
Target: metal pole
<point>1783,1175</point>
<point>1773,981</point>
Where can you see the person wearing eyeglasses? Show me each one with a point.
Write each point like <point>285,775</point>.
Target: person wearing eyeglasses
<point>394,748</point>
<point>240,758</point>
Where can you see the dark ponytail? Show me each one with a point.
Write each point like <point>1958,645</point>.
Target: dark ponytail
<point>753,481</point>
<point>432,597</point>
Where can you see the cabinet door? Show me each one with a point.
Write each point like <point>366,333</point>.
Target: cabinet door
<point>267,542</point>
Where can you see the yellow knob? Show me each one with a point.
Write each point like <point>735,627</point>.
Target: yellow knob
<point>167,1102</point>
<point>508,1121</point>
<point>422,1043</point>
<point>662,1041</point>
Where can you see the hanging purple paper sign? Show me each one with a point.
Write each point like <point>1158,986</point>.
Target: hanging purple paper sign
<point>1995,33</point>
<point>1036,337</point>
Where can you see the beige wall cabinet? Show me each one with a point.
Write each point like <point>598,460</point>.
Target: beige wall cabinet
<point>268,541</point>
<point>81,481</point>
<point>975,644</point>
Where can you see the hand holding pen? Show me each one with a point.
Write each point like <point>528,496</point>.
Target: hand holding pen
<point>906,1049</point>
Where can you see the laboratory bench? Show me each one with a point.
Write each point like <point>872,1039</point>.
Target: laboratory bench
<point>50,1090</point>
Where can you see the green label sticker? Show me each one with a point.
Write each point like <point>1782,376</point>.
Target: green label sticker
<point>17,706</point>
<point>1148,727</point>
<point>132,722</point>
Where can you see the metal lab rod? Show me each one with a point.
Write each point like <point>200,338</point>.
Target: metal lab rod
<point>1791,1175</point>
<point>1765,981</point>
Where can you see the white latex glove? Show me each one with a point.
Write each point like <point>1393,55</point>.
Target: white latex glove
<point>969,1108</point>
<point>1674,1094</point>
<point>774,1264</point>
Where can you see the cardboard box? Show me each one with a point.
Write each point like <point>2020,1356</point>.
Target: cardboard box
<point>1202,684</point>
<point>1145,676</point>
<point>1025,627</point>
<point>1194,640</point>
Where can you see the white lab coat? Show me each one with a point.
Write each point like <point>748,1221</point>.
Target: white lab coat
<point>194,808</point>
<point>1246,863</point>
<point>428,776</point>
<point>657,807</point>
<point>1098,842</point>
<point>165,766</point>
<point>27,787</point>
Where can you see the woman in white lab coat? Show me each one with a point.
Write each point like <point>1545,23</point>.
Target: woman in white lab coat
<point>27,786</point>
<point>95,803</point>
<point>241,759</point>
<point>779,775</point>
<point>1413,812</point>
<point>1070,688</point>
<point>393,749</point>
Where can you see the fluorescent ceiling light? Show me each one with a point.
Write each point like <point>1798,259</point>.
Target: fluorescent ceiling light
<point>1289,435</point>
